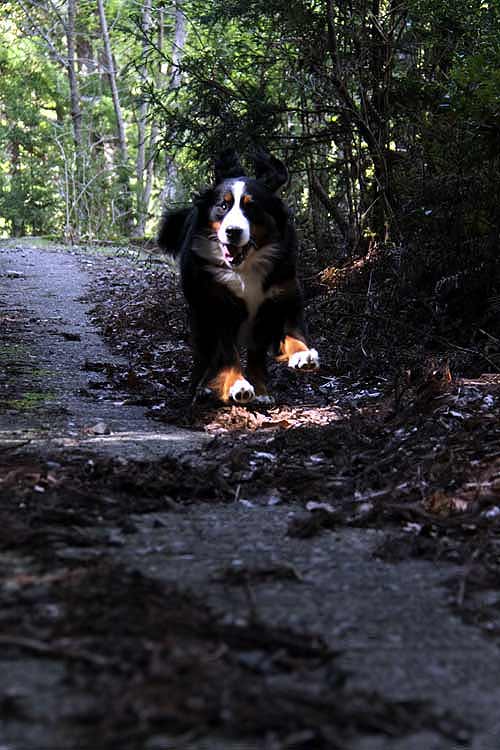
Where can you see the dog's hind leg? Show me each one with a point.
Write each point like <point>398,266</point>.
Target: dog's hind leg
<point>199,377</point>
<point>257,374</point>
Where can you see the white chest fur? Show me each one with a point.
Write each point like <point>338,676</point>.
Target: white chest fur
<point>246,282</point>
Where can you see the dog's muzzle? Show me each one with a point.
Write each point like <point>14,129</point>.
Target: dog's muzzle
<point>235,255</point>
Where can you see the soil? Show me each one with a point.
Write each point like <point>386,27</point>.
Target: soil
<point>320,573</point>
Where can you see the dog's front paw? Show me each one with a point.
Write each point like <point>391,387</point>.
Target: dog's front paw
<point>242,392</point>
<point>305,360</point>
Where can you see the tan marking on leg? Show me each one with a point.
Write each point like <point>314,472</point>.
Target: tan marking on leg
<point>290,346</point>
<point>224,380</point>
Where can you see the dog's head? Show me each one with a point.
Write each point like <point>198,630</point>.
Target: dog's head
<point>235,218</point>
<point>244,213</point>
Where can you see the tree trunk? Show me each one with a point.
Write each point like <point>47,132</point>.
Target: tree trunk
<point>76,112</point>
<point>123,165</point>
<point>142,203</point>
<point>153,137</point>
<point>73,232</point>
<point>169,192</point>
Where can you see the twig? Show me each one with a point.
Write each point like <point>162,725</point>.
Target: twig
<point>56,649</point>
<point>493,338</point>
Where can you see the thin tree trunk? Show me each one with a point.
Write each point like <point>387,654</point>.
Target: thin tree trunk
<point>179,44</point>
<point>330,204</point>
<point>76,112</point>
<point>142,203</point>
<point>153,137</point>
<point>150,166</point>
<point>17,223</point>
<point>123,175</point>
<point>169,191</point>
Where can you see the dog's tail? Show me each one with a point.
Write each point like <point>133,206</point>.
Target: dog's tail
<point>173,230</point>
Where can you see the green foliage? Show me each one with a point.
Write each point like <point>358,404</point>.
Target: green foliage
<point>45,186</point>
<point>29,201</point>
<point>387,114</point>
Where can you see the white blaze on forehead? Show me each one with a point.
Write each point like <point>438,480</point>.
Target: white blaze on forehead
<point>235,218</point>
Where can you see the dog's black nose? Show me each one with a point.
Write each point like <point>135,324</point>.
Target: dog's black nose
<point>234,233</point>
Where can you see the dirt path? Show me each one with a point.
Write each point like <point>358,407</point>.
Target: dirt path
<point>140,565</point>
<point>55,364</point>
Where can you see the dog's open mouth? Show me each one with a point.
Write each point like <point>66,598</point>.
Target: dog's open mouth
<point>235,255</point>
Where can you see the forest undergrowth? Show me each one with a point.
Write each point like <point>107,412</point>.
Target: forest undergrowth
<point>400,424</point>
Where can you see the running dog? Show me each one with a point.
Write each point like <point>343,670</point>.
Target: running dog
<point>237,248</point>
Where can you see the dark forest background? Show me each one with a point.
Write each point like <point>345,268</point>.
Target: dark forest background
<point>386,113</point>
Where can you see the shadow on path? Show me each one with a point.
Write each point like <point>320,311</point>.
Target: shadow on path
<point>146,601</point>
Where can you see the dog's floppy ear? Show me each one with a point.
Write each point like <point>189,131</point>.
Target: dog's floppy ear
<point>228,165</point>
<point>173,230</point>
<point>269,170</point>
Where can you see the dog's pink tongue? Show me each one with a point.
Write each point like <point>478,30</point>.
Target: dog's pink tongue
<point>230,251</point>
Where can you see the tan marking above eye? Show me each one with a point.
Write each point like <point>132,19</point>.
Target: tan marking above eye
<point>227,197</point>
<point>247,199</point>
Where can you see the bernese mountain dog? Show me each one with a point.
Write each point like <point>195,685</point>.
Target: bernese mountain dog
<point>237,248</point>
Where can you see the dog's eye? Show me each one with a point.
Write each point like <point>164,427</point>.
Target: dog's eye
<point>224,205</point>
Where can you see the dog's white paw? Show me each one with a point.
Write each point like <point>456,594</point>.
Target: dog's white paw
<point>306,360</point>
<point>242,392</point>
